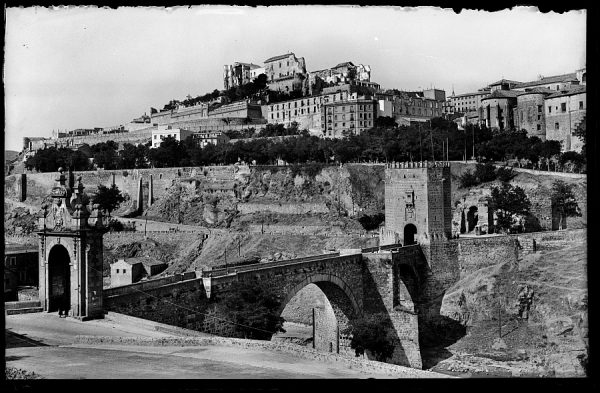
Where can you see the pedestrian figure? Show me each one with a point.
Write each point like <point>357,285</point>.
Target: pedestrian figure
<point>525,298</point>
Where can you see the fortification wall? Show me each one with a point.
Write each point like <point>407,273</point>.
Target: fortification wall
<point>283,208</point>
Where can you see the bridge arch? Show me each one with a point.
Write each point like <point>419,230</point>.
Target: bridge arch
<point>329,284</point>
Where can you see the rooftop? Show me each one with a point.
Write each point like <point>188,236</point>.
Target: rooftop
<point>502,81</point>
<point>568,92</point>
<point>275,58</point>
<point>344,64</point>
<point>146,261</point>
<point>537,90</point>
<point>502,94</point>
<point>551,79</point>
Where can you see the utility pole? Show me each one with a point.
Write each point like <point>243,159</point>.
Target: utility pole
<point>313,330</point>
<point>473,132</point>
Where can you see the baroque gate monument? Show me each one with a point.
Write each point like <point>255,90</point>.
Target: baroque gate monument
<point>70,252</point>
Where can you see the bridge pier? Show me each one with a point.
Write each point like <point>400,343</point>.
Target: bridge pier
<point>387,297</point>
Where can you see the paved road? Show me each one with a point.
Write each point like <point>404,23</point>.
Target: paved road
<point>43,343</point>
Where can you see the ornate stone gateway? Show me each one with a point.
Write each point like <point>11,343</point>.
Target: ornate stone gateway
<point>70,249</point>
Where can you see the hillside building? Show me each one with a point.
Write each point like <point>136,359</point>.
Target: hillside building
<point>131,270</point>
<point>343,73</point>
<point>497,109</point>
<point>204,138</point>
<point>163,132</point>
<point>353,116</point>
<point>565,111</point>
<point>531,114</point>
<point>286,73</point>
<point>467,102</point>
<point>238,74</point>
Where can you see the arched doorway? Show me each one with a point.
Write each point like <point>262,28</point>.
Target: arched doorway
<point>59,280</point>
<point>410,230</point>
<point>472,218</point>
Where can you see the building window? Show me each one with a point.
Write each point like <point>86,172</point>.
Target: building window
<point>117,270</point>
<point>124,271</point>
<point>539,109</point>
<point>580,104</point>
<point>563,107</point>
<point>154,136</point>
<point>556,127</point>
<point>549,109</point>
<point>539,127</point>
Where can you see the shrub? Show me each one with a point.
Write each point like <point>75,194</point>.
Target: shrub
<point>485,172</point>
<point>369,333</point>
<point>505,174</point>
<point>371,222</point>
<point>468,179</point>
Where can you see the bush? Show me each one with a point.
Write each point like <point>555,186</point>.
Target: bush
<point>468,179</point>
<point>115,225</point>
<point>485,172</point>
<point>368,333</point>
<point>371,222</point>
<point>505,174</point>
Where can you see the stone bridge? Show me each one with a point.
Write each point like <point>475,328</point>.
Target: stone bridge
<point>377,281</point>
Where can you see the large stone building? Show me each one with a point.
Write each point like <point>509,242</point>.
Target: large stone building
<point>497,109</point>
<point>20,268</point>
<point>353,116</point>
<point>417,203</point>
<point>343,73</point>
<point>286,73</point>
<point>307,111</point>
<point>530,115</point>
<point>565,111</point>
<point>407,107</point>
<point>467,102</point>
<point>238,74</point>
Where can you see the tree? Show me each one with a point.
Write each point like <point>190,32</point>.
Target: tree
<point>508,202</point>
<point>108,198</point>
<point>254,308</point>
<point>385,122</point>
<point>368,333</point>
<point>563,200</point>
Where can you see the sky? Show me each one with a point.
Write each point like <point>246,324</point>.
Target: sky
<point>85,67</point>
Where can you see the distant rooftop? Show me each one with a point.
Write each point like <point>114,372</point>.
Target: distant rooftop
<point>344,64</point>
<point>568,92</point>
<point>275,58</point>
<point>502,94</point>
<point>537,90</point>
<point>551,79</point>
<point>502,81</point>
<point>146,261</point>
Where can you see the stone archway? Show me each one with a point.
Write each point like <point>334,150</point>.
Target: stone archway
<point>410,230</point>
<point>59,279</point>
<point>472,218</point>
<point>330,319</point>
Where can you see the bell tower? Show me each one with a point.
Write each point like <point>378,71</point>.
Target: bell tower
<point>70,251</point>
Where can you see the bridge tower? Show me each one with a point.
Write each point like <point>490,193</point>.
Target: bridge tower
<point>70,252</point>
<point>417,203</point>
